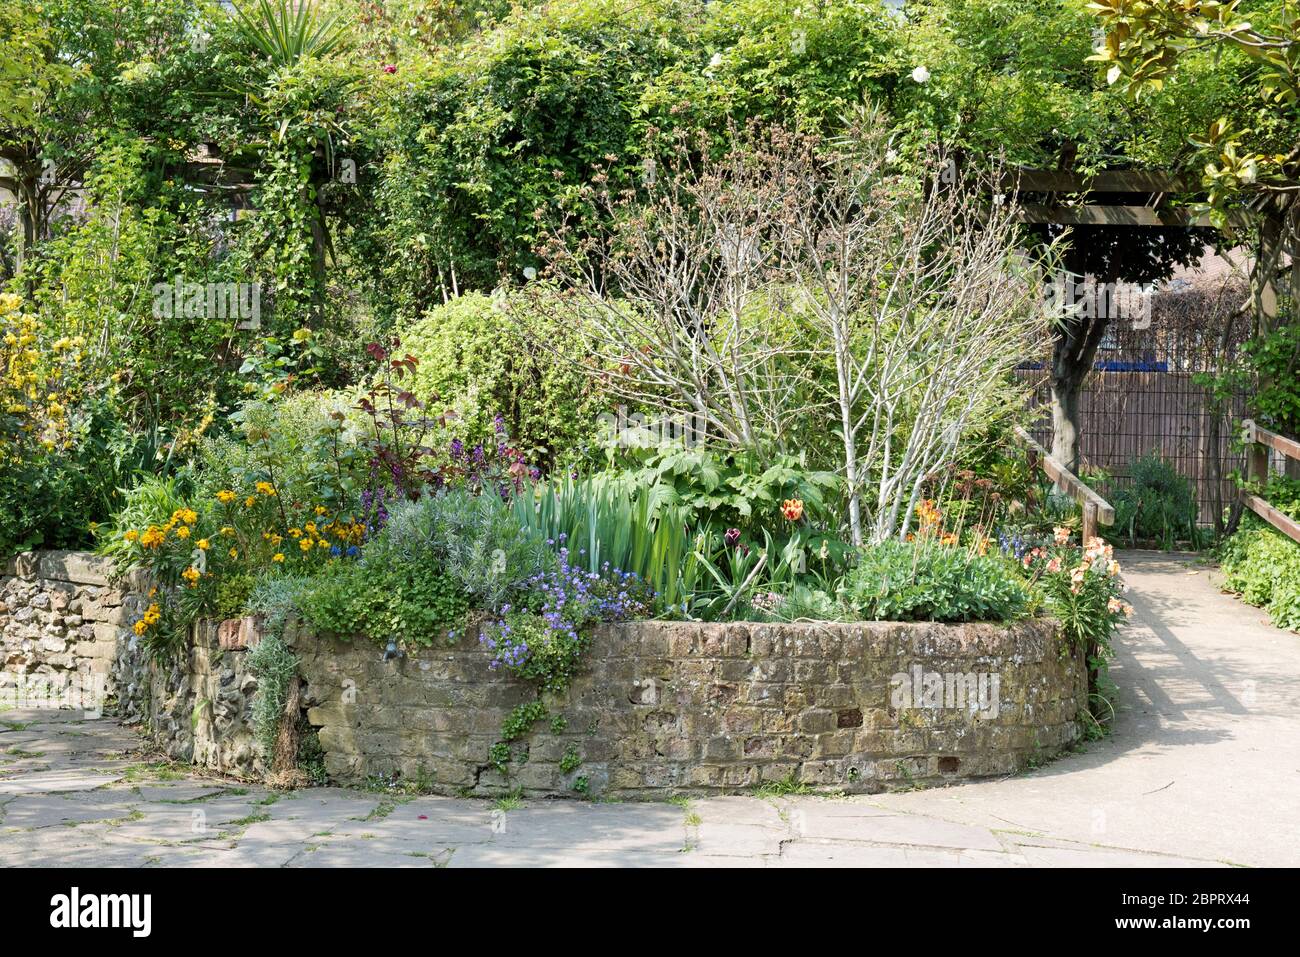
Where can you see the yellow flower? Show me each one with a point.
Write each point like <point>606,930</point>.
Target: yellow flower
<point>278,557</point>
<point>266,488</point>
<point>295,533</point>
<point>139,627</point>
<point>132,535</point>
<point>225,496</point>
<point>305,544</point>
<point>792,509</point>
<point>189,516</point>
<point>183,532</point>
<point>250,501</point>
<point>153,537</point>
<point>311,528</point>
<point>226,530</point>
<point>234,553</point>
<point>203,544</point>
<point>191,575</point>
<point>320,509</point>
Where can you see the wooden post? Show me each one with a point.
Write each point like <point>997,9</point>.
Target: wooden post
<point>1256,453</point>
<point>1089,521</point>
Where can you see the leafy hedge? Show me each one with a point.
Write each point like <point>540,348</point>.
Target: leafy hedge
<point>1261,564</point>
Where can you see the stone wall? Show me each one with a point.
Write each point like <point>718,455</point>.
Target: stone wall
<point>61,623</point>
<point>660,706</point>
<point>708,708</point>
<point>199,708</point>
<point>66,642</point>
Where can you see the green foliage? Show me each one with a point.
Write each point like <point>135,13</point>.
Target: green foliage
<point>1263,566</point>
<point>284,35</point>
<point>418,604</point>
<point>275,667</point>
<point>1272,361</point>
<point>605,522</point>
<point>1159,505</point>
<point>905,581</point>
<point>54,498</point>
<point>477,542</point>
<point>306,442</point>
<point>522,719</point>
<point>730,490</point>
<point>233,592</point>
<point>486,356</point>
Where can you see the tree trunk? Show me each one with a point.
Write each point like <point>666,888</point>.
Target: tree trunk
<point>1065,420</point>
<point>1077,339</point>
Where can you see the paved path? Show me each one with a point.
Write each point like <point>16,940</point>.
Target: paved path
<point>1203,768</point>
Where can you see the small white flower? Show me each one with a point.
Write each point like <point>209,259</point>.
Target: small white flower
<point>891,156</point>
<point>920,74</point>
<point>716,61</point>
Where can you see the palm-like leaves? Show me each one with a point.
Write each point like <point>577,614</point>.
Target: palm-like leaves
<point>287,31</point>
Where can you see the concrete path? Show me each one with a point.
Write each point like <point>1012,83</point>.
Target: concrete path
<point>1203,768</point>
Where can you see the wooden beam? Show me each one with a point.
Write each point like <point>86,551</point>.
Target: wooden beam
<point>1108,216</point>
<point>1284,523</point>
<point>1253,434</point>
<point>1096,510</point>
<point>1106,181</point>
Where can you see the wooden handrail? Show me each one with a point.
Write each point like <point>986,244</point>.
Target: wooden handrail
<point>1096,510</point>
<point>1257,434</point>
<point>1258,441</point>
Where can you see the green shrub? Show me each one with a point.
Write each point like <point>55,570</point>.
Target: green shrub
<point>477,541</point>
<point>1263,566</point>
<point>905,581</point>
<point>412,603</point>
<point>1159,505</point>
<point>483,356</point>
<point>298,438</point>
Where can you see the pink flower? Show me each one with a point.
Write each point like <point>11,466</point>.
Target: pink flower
<point>389,68</point>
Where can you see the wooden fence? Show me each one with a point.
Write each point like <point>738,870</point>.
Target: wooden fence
<point>1258,442</point>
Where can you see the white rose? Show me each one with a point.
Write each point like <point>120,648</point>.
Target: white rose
<point>920,74</point>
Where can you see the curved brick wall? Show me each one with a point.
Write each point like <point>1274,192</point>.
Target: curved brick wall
<point>710,708</point>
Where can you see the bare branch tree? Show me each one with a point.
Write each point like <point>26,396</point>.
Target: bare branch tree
<point>676,294</point>
<point>916,289</point>
<point>909,287</point>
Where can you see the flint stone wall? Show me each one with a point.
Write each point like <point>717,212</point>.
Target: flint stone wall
<point>705,708</point>
<point>66,641</point>
<point>60,626</point>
